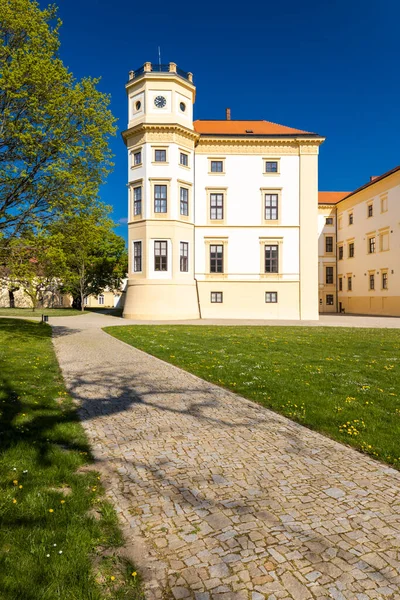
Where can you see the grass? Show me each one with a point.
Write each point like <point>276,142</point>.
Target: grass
<point>59,537</point>
<point>28,312</point>
<point>342,382</point>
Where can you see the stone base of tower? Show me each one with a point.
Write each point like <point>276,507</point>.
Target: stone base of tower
<point>161,300</point>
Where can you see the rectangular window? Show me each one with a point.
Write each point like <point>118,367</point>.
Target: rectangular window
<point>217,166</point>
<point>137,201</point>
<point>340,252</point>
<point>329,275</point>
<point>272,259</point>
<point>371,281</point>
<point>329,244</point>
<point>350,218</point>
<point>340,284</point>
<point>216,297</point>
<point>160,198</point>
<point>384,280</point>
<point>271,166</point>
<point>100,299</point>
<point>329,299</point>
<point>184,159</point>
<point>216,258</point>
<point>184,257</point>
<point>137,158</point>
<point>370,210</point>
<point>86,301</point>
<point>271,297</point>
<point>271,207</point>
<point>184,198</point>
<point>351,250</point>
<point>349,283</point>
<point>160,156</point>
<point>160,256</point>
<point>371,245</point>
<point>216,207</point>
<point>329,221</point>
<point>137,256</point>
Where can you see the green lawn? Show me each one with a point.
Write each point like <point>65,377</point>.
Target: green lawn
<point>59,537</point>
<point>28,312</point>
<point>339,381</point>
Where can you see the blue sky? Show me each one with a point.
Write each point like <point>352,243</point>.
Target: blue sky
<point>328,67</point>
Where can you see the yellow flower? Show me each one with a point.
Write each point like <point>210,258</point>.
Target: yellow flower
<point>14,501</point>
<point>62,501</point>
<point>134,574</point>
<point>112,577</point>
<point>15,482</point>
<point>94,489</point>
<point>51,510</point>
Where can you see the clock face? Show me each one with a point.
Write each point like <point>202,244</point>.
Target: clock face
<point>160,101</point>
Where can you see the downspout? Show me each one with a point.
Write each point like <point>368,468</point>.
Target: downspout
<point>194,230</point>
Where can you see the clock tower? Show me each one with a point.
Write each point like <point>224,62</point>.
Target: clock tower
<point>160,140</point>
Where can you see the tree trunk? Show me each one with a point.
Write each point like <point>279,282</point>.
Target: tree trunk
<point>11,298</point>
<point>76,302</point>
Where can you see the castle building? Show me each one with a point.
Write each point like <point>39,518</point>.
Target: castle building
<point>222,215</point>
<point>362,274</point>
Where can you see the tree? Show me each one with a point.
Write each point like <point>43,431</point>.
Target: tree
<point>54,130</point>
<point>95,257</point>
<point>33,263</point>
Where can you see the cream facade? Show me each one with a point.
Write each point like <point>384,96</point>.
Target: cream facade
<point>327,296</point>
<point>222,215</point>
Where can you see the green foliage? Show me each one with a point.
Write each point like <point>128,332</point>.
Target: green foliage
<point>54,130</point>
<point>342,382</point>
<point>95,256</point>
<point>33,263</point>
<point>59,537</point>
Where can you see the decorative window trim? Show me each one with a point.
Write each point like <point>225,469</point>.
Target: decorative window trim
<point>187,154</point>
<point>340,252</point>
<point>223,191</point>
<point>272,160</point>
<point>157,241</point>
<point>218,241</point>
<point>188,186</point>
<point>329,303</point>
<point>270,241</point>
<point>331,221</point>
<point>101,300</point>
<point>351,218</point>
<point>330,252</point>
<point>351,248</point>
<point>371,274</point>
<point>132,185</point>
<point>371,236</point>
<point>349,277</point>
<point>153,154</point>
<point>384,202</point>
<point>382,235</point>
<point>216,159</point>
<point>160,181</point>
<point>370,205</point>
<point>340,283</point>
<point>132,153</point>
<point>384,276</point>
<point>273,191</point>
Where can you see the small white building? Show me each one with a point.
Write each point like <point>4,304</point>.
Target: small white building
<point>222,215</point>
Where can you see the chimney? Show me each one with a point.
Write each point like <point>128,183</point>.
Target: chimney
<point>228,114</point>
<point>373,177</point>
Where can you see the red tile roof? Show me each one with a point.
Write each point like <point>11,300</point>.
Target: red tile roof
<point>251,128</point>
<point>331,197</point>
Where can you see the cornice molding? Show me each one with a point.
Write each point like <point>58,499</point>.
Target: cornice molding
<point>254,145</point>
<point>158,132</point>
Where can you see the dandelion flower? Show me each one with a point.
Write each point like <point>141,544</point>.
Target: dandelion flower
<point>15,482</point>
<point>14,501</point>
<point>51,510</point>
<point>112,577</point>
<point>62,501</point>
<point>20,487</point>
<point>134,574</point>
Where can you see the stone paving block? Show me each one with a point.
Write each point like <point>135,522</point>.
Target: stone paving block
<point>211,486</point>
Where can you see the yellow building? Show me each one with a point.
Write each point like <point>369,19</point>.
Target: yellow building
<point>366,267</point>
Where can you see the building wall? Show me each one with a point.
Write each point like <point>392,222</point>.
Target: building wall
<point>51,300</point>
<point>327,291</point>
<point>384,226</point>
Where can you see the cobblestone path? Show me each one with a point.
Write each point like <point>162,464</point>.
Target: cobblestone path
<point>222,499</point>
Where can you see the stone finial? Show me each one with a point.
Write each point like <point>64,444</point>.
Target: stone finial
<point>147,67</point>
<point>190,77</point>
<point>172,67</point>
<point>131,75</point>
